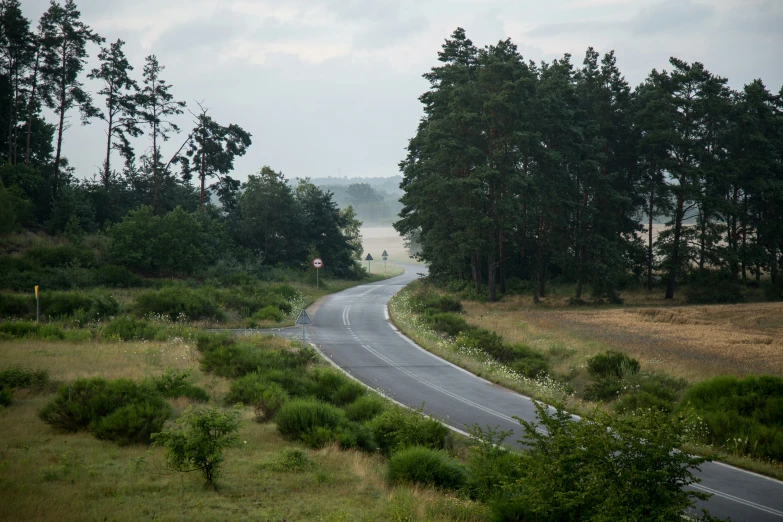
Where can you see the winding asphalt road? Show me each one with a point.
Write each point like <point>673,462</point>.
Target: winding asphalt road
<point>352,330</point>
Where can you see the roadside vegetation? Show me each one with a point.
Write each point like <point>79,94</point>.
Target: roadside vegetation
<point>734,417</point>
<point>122,429</point>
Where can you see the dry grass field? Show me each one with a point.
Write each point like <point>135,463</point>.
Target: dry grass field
<point>46,475</point>
<point>377,239</point>
<point>693,342</point>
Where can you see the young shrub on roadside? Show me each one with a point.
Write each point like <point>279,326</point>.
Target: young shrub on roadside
<point>308,420</point>
<point>269,313</point>
<point>269,403</point>
<point>418,465</point>
<point>397,428</point>
<point>198,439</point>
<point>175,383</point>
<point>365,408</point>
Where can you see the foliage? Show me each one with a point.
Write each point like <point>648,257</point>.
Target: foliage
<point>6,396</point>
<point>173,383</point>
<point>611,364</point>
<point>270,401</point>
<point>365,408</point>
<point>448,323</point>
<point>32,330</point>
<point>198,440</point>
<point>425,466</point>
<point>20,377</point>
<point>742,415</point>
<point>119,410</point>
<point>178,302</point>
<point>269,313</point>
<point>126,328</point>
<point>309,421</point>
<point>396,429</point>
<point>612,468</point>
<point>490,465</point>
<point>334,386</point>
<point>94,305</point>
<point>291,460</point>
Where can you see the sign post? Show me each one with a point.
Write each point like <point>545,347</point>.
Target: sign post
<point>37,307</point>
<point>317,263</point>
<point>369,263</point>
<point>385,256</point>
<point>304,320</point>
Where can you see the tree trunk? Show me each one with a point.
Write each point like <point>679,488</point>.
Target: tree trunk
<point>475,262</point>
<point>107,169</point>
<point>62,122</point>
<point>734,237</point>
<point>501,271</point>
<point>744,236</point>
<point>10,111</point>
<point>491,276</point>
<point>537,278</point>
<point>650,260</point>
<point>203,180</point>
<point>675,259</point>
<point>30,106</point>
<point>773,265</point>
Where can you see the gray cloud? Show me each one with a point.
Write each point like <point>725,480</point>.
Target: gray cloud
<point>672,16</point>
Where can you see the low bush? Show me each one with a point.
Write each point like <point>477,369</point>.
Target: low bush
<point>177,302</point>
<point>6,396</point>
<point>175,383</point>
<point>269,403</point>
<point>611,364</point>
<point>397,428</point>
<point>301,419</point>
<point>269,313</point>
<point>742,415</point>
<point>20,377</point>
<point>84,403</point>
<point>485,341</point>
<point>19,306</point>
<point>247,389</point>
<point>365,408</point>
<point>132,424</point>
<point>60,256</point>
<point>334,387</point>
<point>418,465</point>
<point>117,277</point>
<point>291,460</point>
<point>31,330</point>
<point>126,328</point>
<point>89,305</point>
<point>528,361</point>
<point>223,355</point>
<point>489,463</point>
<point>448,323</point>
<point>354,435</point>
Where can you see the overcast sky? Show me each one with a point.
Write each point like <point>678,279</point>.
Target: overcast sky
<point>330,87</point>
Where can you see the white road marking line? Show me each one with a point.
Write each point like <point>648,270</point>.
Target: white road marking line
<point>739,500</point>
<point>372,289</point>
<point>346,318</point>
<point>438,388</point>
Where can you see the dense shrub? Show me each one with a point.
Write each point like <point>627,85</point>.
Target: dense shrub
<point>20,306</point>
<point>132,424</point>
<point>127,328</point>
<point>251,299</point>
<point>19,377</point>
<point>223,355</point>
<point>489,463</point>
<point>365,408</point>
<point>247,389</point>
<point>301,419</point>
<point>60,256</point>
<point>6,396</point>
<point>269,313</point>
<point>611,364</point>
<point>716,292</point>
<point>173,383</point>
<point>88,305</point>
<point>425,466</point>
<point>429,302</point>
<point>334,387</point>
<point>448,323</point>
<point>291,460</point>
<point>179,302</point>
<point>486,341</point>
<point>117,277</point>
<point>354,435</point>
<point>85,403</point>
<point>269,403</point>
<point>31,330</point>
<point>397,428</point>
<point>744,415</point>
<point>528,361</point>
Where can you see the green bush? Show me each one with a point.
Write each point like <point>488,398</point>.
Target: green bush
<point>489,463</point>
<point>528,361</point>
<point>291,460</point>
<point>397,428</point>
<point>19,306</point>
<point>269,403</point>
<point>448,323</point>
<point>611,364</point>
<point>85,403</point>
<point>365,408</point>
<point>177,302</point>
<point>486,341</point>
<point>19,377</point>
<point>223,355</point>
<point>90,306</point>
<point>247,389</point>
<point>742,415</point>
<point>429,302</point>
<point>132,424</point>
<point>354,435</point>
<point>335,387</point>
<point>117,277</point>
<point>31,330</point>
<point>713,287</point>
<point>126,328</point>
<point>299,419</point>
<point>418,465</point>
<point>269,313</point>
<point>60,256</point>
<point>175,383</point>
<point>198,440</point>
<point>6,396</point>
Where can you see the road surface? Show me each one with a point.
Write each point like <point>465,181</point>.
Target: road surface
<point>352,329</point>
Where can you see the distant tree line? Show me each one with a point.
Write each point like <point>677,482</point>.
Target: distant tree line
<point>154,206</point>
<point>542,171</point>
<point>372,203</point>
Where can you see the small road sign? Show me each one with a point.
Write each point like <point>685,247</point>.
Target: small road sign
<point>318,262</point>
<point>368,258</point>
<point>384,255</point>
<point>303,318</point>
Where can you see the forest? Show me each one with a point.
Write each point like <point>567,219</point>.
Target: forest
<point>143,200</point>
<point>521,174</point>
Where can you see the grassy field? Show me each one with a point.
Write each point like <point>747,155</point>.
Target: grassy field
<point>45,475</point>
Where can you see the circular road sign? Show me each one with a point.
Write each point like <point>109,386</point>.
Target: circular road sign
<point>318,263</point>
